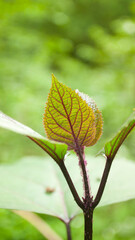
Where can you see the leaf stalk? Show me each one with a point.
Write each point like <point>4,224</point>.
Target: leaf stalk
<point>103,182</point>
<point>71,185</point>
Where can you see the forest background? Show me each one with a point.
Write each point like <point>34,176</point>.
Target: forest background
<point>88,45</point>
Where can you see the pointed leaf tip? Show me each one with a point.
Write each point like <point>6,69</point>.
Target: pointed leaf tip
<point>70,119</point>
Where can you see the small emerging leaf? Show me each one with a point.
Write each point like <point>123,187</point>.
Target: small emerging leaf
<point>71,117</point>
<point>56,150</point>
<point>114,144</point>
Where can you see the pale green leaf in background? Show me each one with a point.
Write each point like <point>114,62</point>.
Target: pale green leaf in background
<point>36,184</point>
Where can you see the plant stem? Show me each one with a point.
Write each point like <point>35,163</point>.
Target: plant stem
<point>88,205</point>
<point>88,224</point>
<point>68,231</point>
<point>88,209</point>
<point>71,185</point>
<point>82,163</point>
<point>102,183</point>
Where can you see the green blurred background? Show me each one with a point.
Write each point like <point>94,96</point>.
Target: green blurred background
<point>88,45</point>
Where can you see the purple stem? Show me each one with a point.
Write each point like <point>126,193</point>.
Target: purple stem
<point>71,185</point>
<point>102,183</point>
<point>88,199</point>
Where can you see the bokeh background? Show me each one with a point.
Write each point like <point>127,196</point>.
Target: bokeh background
<point>88,45</point>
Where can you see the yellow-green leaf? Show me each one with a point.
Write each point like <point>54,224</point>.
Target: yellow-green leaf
<point>71,117</point>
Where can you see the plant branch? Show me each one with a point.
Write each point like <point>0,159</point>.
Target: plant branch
<point>102,183</point>
<point>71,185</point>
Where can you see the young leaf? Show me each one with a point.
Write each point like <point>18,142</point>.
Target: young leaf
<point>24,185</point>
<point>71,117</point>
<point>114,144</point>
<point>56,150</point>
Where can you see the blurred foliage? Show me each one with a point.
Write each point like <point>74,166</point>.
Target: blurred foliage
<point>87,44</point>
<point>15,228</point>
<point>111,222</point>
